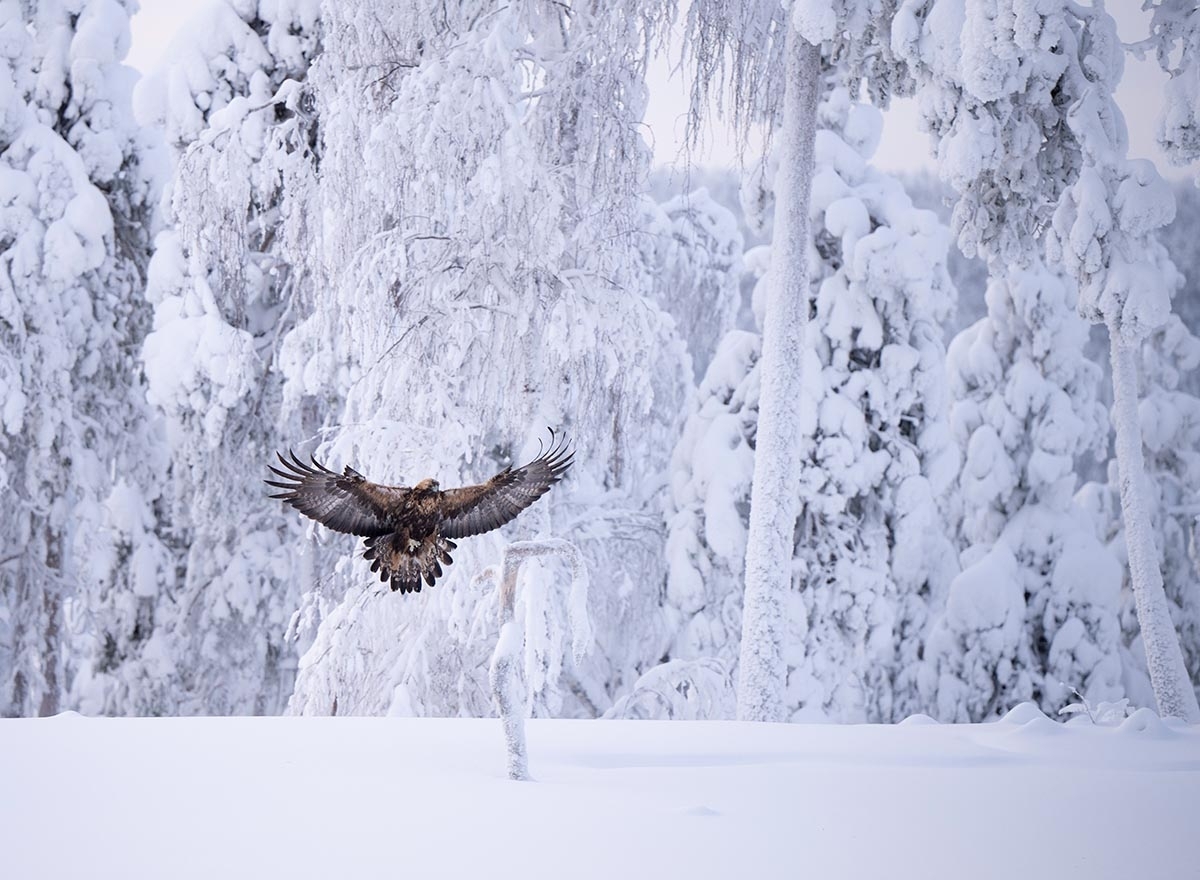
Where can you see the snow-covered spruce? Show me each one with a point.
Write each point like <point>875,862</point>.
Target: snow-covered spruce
<point>994,91</point>
<point>1175,40</point>
<point>693,247</point>
<point>1035,609</point>
<point>1104,232</point>
<point>228,286</point>
<point>82,569</point>
<point>871,543</point>
<point>1170,422</point>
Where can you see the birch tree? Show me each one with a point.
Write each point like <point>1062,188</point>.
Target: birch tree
<point>482,280</point>
<point>773,502</point>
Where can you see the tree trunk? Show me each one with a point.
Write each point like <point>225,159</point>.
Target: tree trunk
<point>1164,659</point>
<point>774,495</point>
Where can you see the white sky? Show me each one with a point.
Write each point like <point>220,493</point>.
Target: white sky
<point>903,147</point>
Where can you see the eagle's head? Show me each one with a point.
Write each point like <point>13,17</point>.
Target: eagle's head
<point>426,487</point>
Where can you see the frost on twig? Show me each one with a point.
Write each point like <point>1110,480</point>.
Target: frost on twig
<point>1104,712</point>
<point>530,631</point>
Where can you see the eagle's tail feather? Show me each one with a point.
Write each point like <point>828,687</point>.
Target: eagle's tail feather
<point>408,570</point>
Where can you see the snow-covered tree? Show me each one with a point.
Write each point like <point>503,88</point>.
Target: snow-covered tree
<point>1175,40</point>
<point>1104,232</point>
<point>769,540</point>
<point>480,182</point>
<point>1170,423</point>
<point>227,282</point>
<point>870,545</point>
<point>1035,607</point>
<point>775,74</point>
<point>80,563</point>
<point>695,251</point>
<point>770,56</point>
<point>1184,248</point>
<point>993,89</point>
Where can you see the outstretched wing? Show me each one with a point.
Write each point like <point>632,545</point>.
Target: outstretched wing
<point>473,510</point>
<point>345,502</point>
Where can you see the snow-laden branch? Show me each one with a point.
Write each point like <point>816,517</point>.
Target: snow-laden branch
<point>503,674</point>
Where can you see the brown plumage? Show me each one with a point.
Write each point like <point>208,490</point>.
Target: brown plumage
<point>409,531</point>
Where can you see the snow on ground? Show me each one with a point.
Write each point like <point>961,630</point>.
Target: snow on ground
<point>385,797</point>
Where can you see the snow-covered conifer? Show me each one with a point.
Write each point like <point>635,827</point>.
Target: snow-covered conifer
<point>992,85</point>
<point>696,250</point>
<point>1104,232</point>
<point>1175,40</point>
<point>991,88</point>
<point>771,56</point>
<point>1170,423</point>
<point>227,285</point>
<point>1025,411</point>
<point>81,566</point>
<point>871,546</point>
<point>480,181</point>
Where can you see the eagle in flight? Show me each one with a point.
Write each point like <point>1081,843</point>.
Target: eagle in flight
<point>409,530</point>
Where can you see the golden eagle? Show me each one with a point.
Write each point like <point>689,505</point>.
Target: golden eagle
<point>409,530</point>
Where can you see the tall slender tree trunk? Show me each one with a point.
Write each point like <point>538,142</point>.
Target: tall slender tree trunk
<point>774,494</point>
<point>1164,659</point>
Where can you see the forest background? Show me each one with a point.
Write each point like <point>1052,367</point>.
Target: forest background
<point>409,239</point>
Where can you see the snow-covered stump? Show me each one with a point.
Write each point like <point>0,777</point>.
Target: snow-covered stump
<point>505,668</point>
<point>502,676</point>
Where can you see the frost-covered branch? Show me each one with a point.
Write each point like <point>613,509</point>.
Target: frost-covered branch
<point>511,294</point>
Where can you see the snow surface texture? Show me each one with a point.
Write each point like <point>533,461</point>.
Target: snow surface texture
<point>361,797</point>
